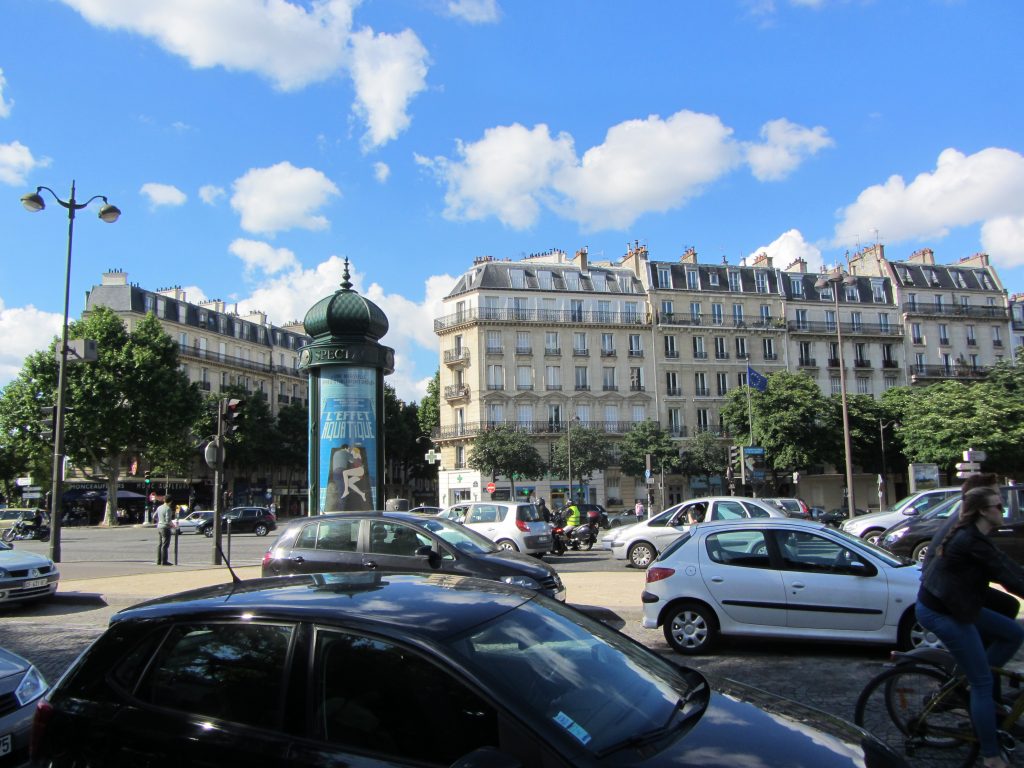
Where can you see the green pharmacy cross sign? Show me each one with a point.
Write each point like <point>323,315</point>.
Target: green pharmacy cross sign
<point>432,456</point>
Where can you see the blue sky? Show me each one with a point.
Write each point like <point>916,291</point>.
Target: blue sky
<point>253,144</point>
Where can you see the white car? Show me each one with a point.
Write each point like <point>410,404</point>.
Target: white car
<point>195,522</point>
<point>25,575</point>
<point>511,525</point>
<point>781,578</point>
<point>870,527</point>
<point>641,543</point>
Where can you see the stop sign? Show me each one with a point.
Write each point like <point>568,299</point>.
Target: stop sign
<point>490,487</point>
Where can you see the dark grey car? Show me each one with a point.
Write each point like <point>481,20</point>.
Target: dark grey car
<point>401,542</point>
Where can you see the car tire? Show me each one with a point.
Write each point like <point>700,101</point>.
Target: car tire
<point>641,554</point>
<point>507,544</point>
<point>920,552</point>
<point>690,628</point>
<point>261,529</point>
<point>912,635</point>
<point>208,531</point>
<point>873,535</point>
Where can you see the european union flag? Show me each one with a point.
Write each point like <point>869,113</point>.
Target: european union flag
<point>756,380</point>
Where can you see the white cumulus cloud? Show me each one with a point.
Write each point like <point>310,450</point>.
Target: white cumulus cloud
<point>475,11</point>
<point>211,193</point>
<point>1003,240</point>
<point>643,166</point>
<point>261,256</point>
<point>387,71</point>
<point>5,106</point>
<point>24,330</point>
<point>287,43</point>
<point>784,146</point>
<point>16,162</point>
<point>787,248</point>
<point>985,188</point>
<point>381,172</point>
<point>282,197</point>
<point>162,194</point>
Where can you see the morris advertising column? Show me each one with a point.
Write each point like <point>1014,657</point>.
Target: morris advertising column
<point>346,366</point>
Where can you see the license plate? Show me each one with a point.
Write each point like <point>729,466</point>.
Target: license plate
<point>31,583</point>
<point>5,744</point>
<point>543,539</point>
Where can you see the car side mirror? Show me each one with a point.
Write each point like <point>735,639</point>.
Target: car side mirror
<point>428,552</point>
<point>910,511</point>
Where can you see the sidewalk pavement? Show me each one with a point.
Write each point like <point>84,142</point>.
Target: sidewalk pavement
<point>121,582</point>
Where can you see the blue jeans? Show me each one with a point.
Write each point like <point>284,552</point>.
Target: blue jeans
<point>991,641</point>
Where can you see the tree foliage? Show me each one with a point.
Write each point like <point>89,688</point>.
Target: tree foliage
<point>503,450</point>
<point>429,413</point>
<point>705,455</point>
<point>647,437</point>
<point>590,452</point>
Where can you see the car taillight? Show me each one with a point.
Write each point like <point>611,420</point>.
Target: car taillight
<point>522,526</point>
<point>658,573</point>
<point>44,711</point>
<point>267,557</point>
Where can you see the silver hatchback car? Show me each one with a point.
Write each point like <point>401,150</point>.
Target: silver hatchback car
<point>512,525</point>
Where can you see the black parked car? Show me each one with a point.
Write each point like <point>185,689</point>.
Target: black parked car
<point>258,520</point>
<point>402,541</point>
<point>910,537</point>
<point>402,670</point>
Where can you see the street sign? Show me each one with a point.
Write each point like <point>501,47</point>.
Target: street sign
<point>491,487</point>
<point>33,488</point>
<point>970,455</point>
<point>21,482</point>
<point>32,495</point>
<point>968,466</point>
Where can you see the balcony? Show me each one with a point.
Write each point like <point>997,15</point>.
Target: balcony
<point>807,362</point>
<point>918,340</point>
<point>673,355</point>
<point>963,372</point>
<point>742,355</point>
<point>204,385</point>
<point>495,350</point>
<point>700,355</point>
<point>890,364</point>
<point>283,399</point>
<point>456,392</point>
<point>674,392</point>
<point>536,316</point>
<point>944,341</point>
<point>972,342</point>
<point>553,351</point>
<point>677,430</point>
<point>540,428</point>
<point>456,356</point>
<point>524,350</point>
<point>580,352</point>
<point>721,355</point>
<point>636,388</point>
<point>610,387</point>
<point>861,363</point>
<point>636,353</point>
<point>770,356</point>
<point>607,353</point>
<point>582,387</point>
<point>495,387</point>
<point>702,392</point>
<point>263,396</point>
<point>953,310</point>
<point>524,387</point>
<point>997,342</point>
<point>553,387</point>
<point>823,327</point>
<point>833,362</point>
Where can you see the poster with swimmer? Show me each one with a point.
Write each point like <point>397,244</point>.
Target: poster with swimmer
<point>348,439</point>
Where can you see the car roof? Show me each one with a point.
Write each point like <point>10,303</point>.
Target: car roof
<point>774,522</point>
<point>408,517</point>
<point>438,606</point>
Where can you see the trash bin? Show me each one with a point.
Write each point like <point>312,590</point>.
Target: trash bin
<point>396,505</point>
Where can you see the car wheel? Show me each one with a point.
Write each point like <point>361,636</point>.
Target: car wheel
<point>641,554</point>
<point>508,545</point>
<point>912,635</point>
<point>208,531</point>
<point>261,529</point>
<point>691,628</point>
<point>873,536</point>
<point>760,550</point>
<point>920,552</point>
<point>615,523</point>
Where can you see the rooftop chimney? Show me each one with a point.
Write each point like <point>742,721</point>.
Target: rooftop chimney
<point>923,256</point>
<point>115,277</point>
<point>689,256</point>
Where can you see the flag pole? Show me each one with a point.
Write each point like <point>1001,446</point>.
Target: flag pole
<point>750,412</point>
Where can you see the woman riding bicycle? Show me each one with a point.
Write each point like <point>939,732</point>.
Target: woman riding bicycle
<point>961,562</point>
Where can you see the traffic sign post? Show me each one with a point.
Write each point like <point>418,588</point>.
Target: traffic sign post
<point>971,465</point>
<point>491,487</point>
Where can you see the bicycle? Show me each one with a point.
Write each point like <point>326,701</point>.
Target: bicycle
<point>920,707</point>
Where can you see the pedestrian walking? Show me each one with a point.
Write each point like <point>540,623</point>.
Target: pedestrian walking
<point>638,510</point>
<point>164,519</point>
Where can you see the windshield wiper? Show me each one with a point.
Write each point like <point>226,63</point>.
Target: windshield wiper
<point>671,724</point>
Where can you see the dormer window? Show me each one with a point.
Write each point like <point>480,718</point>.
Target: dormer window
<point>796,286</point>
<point>713,279</point>
<point>761,281</point>
<point>691,279</point>
<point>544,280</point>
<point>734,281</point>
<point>518,278</point>
<point>933,276</point>
<point>572,281</point>
<point>664,277</point>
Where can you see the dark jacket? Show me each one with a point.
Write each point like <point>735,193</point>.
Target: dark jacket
<point>956,583</point>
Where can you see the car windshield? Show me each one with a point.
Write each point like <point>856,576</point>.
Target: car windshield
<point>579,682</point>
<point>945,509</point>
<point>462,538</point>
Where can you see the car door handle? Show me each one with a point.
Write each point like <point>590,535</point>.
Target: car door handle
<point>370,564</point>
<point>298,560</point>
<point>717,579</point>
<point>798,585</point>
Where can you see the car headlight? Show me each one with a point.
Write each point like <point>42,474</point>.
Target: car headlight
<point>521,581</point>
<point>31,687</point>
<point>3,573</point>
<point>899,533</point>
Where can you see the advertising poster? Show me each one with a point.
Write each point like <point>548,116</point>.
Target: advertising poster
<point>348,439</point>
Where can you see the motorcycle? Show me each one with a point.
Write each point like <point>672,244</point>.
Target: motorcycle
<point>583,536</point>
<point>559,542</point>
<point>26,530</point>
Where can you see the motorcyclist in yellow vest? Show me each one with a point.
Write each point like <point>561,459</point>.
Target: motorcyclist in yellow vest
<point>572,517</point>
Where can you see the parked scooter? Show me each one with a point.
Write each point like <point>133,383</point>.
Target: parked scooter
<point>27,528</point>
<point>583,536</point>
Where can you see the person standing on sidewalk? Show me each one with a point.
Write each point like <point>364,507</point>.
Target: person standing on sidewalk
<point>164,518</point>
<point>638,510</point>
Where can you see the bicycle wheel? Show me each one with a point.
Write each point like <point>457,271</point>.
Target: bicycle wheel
<point>910,709</point>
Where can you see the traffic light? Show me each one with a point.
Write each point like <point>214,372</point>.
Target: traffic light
<point>234,410</point>
<point>47,422</point>
<point>735,457</point>
<point>148,477</point>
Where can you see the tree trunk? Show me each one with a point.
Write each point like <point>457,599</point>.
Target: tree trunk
<point>110,514</point>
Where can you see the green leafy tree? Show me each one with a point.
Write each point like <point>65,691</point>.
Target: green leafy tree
<point>705,456</point>
<point>429,413</point>
<point>591,452</point>
<point>293,448</point>
<point>133,397</point>
<point>506,451</point>
<point>647,437</point>
<point>790,419</point>
<point>404,457</point>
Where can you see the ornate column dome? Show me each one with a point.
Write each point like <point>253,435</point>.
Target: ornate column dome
<point>346,315</point>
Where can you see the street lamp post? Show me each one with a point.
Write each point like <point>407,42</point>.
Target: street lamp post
<point>838,278</point>
<point>33,202</point>
<point>884,492</point>
<point>568,438</point>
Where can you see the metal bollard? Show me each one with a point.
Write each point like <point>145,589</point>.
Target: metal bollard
<point>177,533</point>
<point>229,539</point>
